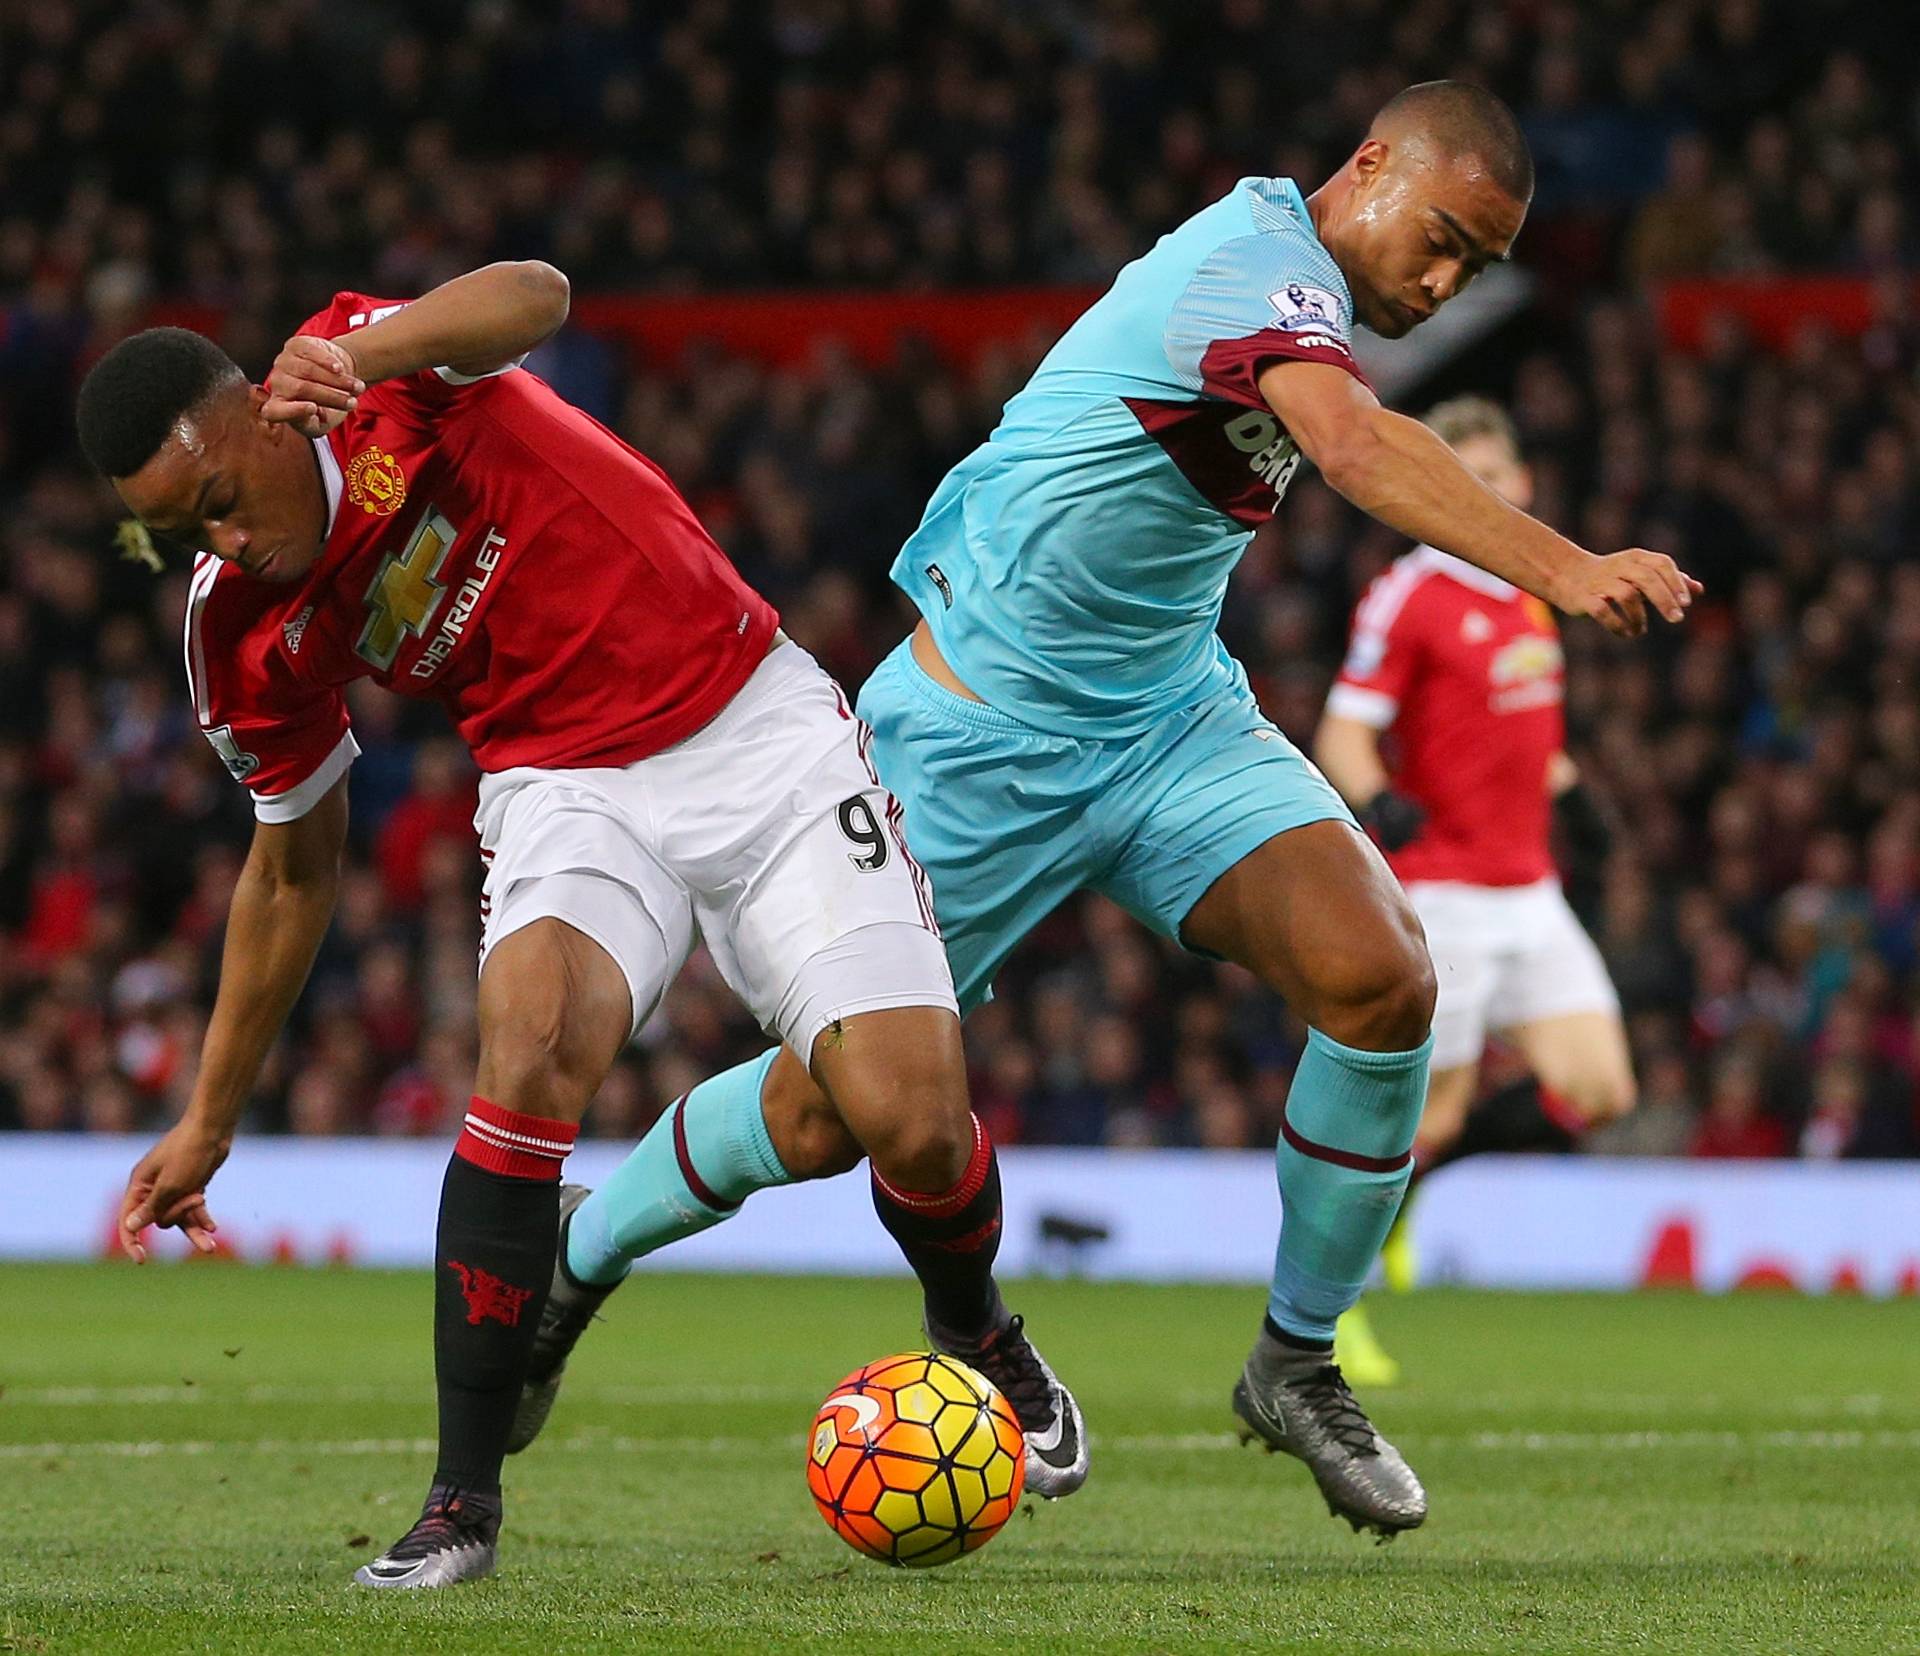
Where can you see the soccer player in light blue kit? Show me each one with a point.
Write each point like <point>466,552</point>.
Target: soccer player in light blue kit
<point>1065,718</point>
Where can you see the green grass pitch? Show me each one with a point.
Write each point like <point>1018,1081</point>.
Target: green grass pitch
<point>194,1458</point>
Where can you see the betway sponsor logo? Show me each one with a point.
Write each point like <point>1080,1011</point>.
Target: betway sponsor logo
<point>454,627</point>
<point>1237,459</point>
<point>1272,455</point>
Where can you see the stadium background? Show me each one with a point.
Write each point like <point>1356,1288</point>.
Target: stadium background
<point>1719,359</point>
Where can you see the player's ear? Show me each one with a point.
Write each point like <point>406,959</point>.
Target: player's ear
<point>257,397</point>
<point>272,433</point>
<point>1369,160</point>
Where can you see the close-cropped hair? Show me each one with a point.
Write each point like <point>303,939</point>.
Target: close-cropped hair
<point>138,391</point>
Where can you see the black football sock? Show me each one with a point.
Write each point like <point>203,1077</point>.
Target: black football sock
<point>950,1238</point>
<point>1278,1356</point>
<point>493,1262</point>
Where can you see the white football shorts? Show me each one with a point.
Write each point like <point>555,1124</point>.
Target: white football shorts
<point>766,832</point>
<point>1504,955</point>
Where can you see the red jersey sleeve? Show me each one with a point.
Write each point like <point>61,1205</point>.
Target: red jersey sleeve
<point>1383,652</point>
<point>423,394</point>
<point>288,742</point>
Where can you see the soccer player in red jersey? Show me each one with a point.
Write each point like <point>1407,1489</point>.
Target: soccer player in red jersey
<point>1464,674</point>
<point>402,501</point>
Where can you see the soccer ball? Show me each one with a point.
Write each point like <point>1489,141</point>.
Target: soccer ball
<point>916,1459</point>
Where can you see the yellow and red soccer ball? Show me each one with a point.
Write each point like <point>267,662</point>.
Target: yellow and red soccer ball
<point>916,1459</point>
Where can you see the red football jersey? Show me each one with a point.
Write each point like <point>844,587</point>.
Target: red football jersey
<point>492,547</point>
<point>1467,673</point>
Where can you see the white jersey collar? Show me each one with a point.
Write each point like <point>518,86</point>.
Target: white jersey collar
<point>331,480</point>
<point>1467,574</point>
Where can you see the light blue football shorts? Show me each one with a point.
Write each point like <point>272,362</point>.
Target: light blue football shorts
<point>1010,821</point>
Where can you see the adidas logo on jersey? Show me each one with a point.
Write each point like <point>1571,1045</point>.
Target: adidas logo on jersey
<point>296,629</point>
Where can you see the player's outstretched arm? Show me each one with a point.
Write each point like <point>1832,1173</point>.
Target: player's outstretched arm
<point>281,907</point>
<point>1348,752</point>
<point>1398,471</point>
<point>475,324</point>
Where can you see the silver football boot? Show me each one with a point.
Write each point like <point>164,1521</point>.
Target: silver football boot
<point>456,1540</point>
<point>570,1307</point>
<point>1297,1402</point>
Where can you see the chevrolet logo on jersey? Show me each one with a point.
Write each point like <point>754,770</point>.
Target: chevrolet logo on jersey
<point>404,595</point>
<point>1525,658</point>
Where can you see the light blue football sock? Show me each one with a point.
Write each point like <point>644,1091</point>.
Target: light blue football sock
<point>1345,1155</point>
<point>702,1158</point>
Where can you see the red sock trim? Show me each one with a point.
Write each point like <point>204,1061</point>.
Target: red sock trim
<point>1341,1158</point>
<point>944,1204</point>
<point>520,1146</point>
<point>1559,1109</point>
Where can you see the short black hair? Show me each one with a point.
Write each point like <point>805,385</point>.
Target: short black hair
<point>135,393</point>
<point>1464,119</point>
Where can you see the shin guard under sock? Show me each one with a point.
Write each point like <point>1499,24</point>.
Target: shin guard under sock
<point>493,1261</point>
<point>1343,1160</point>
<point>706,1154</point>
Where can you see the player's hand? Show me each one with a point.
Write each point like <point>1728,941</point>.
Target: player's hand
<point>1585,826</point>
<point>312,385</point>
<point>168,1188</point>
<point>1394,819</point>
<point>1616,590</point>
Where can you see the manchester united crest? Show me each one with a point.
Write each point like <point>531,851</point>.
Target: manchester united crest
<point>375,482</point>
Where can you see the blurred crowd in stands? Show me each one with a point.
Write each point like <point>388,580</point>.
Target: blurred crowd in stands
<point>1761,911</point>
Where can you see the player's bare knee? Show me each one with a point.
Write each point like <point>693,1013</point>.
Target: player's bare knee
<point>924,1136</point>
<point>823,1149</point>
<point>1382,998</point>
<point>919,1137</point>
<point>1398,1018</point>
<point>529,1061</point>
<point>930,1155</point>
<point>898,1081</point>
<point>808,1135</point>
<point>548,1031</point>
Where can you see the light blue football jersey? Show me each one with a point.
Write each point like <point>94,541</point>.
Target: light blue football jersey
<point>1073,566</point>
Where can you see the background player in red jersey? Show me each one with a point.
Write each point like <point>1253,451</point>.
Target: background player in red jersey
<point>1463,674</point>
<point>400,502</point>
